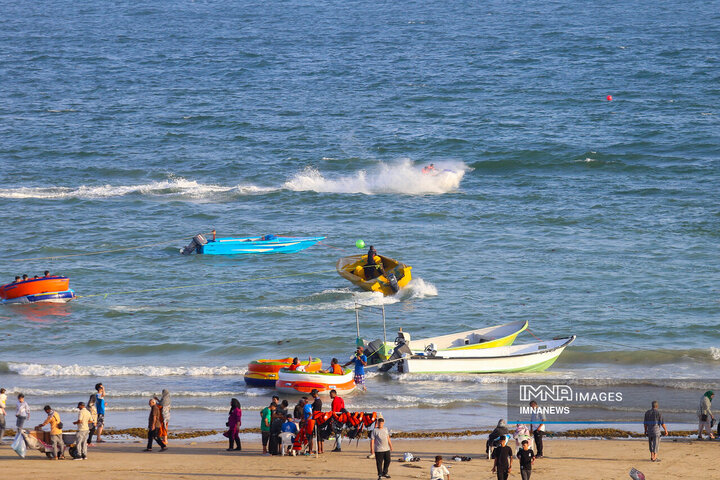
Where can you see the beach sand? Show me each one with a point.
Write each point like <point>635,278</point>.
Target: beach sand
<point>565,459</point>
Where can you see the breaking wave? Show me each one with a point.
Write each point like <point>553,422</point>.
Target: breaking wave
<point>173,187</point>
<point>54,370</point>
<point>403,177</point>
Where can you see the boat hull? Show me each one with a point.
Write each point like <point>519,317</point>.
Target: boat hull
<point>264,372</point>
<point>34,286</point>
<point>261,380</point>
<point>494,362</point>
<point>481,338</point>
<point>255,245</point>
<point>346,268</point>
<point>294,382</point>
<point>46,297</point>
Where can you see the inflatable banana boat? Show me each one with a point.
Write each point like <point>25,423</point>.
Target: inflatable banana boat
<point>294,382</point>
<point>37,290</point>
<point>264,372</point>
<point>395,275</point>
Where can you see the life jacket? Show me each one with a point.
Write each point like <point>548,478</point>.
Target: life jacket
<point>337,369</point>
<point>321,417</point>
<point>369,419</point>
<point>355,419</point>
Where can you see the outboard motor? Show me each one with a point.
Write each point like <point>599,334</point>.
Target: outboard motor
<point>372,351</point>
<point>402,337</point>
<point>198,241</point>
<point>402,350</point>
<point>392,282</point>
<point>430,350</point>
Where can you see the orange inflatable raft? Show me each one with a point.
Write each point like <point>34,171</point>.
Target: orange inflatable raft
<point>264,372</point>
<point>46,289</point>
<point>293,382</point>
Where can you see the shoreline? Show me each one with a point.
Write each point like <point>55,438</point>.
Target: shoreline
<point>590,433</point>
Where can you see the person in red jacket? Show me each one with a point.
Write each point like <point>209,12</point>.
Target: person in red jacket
<point>337,405</point>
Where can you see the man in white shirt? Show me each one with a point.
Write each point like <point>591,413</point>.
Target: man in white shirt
<point>83,431</point>
<point>537,427</point>
<point>23,411</point>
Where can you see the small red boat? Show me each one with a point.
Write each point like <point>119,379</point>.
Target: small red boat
<point>45,289</point>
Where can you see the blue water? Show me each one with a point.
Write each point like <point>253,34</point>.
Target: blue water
<point>125,125</point>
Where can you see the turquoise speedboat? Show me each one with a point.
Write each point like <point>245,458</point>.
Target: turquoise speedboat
<point>236,246</point>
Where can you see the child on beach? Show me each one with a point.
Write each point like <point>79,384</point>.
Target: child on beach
<point>527,458</point>
<point>439,471</point>
<point>503,459</point>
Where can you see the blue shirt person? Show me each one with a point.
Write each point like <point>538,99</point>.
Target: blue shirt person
<point>360,361</point>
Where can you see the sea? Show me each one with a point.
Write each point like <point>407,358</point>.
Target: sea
<point>578,151</point>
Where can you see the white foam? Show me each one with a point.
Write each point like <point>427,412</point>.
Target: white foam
<point>50,370</point>
<point>416,289</point>
<point>175,186</point>
<point>365,299</point>
<point>37,392</point>
<point>715,353</point>
<point>402,177</point>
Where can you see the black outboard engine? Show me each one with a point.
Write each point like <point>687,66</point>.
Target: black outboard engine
<point>401,350</point>
<point>392,281</point>
<point>372,351</point>
<point>197,242</point>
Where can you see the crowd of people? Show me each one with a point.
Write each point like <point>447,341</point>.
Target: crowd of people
<point>277,421</point>
<point>90,422</point>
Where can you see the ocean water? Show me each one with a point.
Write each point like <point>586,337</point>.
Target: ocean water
<point>125,125</point>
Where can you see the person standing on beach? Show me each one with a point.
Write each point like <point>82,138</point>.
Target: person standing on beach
<point>317,407</point>
<point>100,405</point>
<point>83,430</point>
<point>154,422</point>
<point>705,416</point>
<point>537,427</point>
<point>58,446</point>
<point>282,409</point>
<point>234,422</point>
<point>337,406</point>
<point>503,460</point>
<point>265,420</point>
<point>3,413</point>
<point>380,447</point>
<point>164,404</point>
<point>653,421</point>
<point>93,418</point>
<point>298,410</point>
<point>360,361</point>
<point>23,411</point>
<point>527,458</point>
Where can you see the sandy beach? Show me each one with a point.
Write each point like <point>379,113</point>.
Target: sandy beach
<point>567,459</point>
